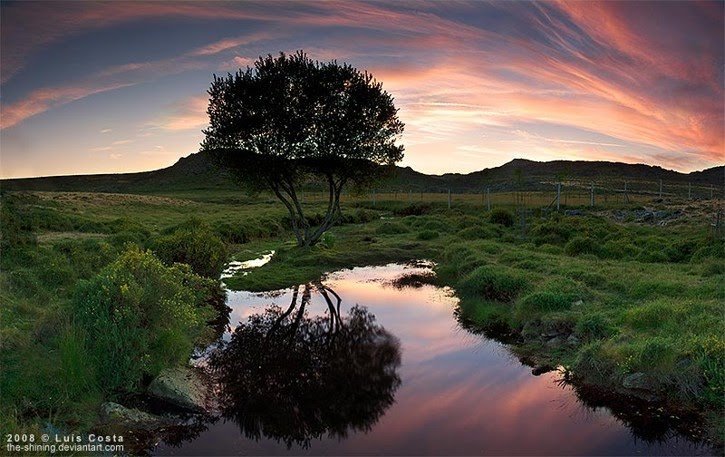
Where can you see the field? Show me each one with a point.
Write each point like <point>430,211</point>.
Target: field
<point>625,296</point>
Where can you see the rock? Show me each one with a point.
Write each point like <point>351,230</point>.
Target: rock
<point>555,342</point>
<point>639,381</point>
<point>181,387</point>
<point>572,340</point>
<point>577,302</point>
<point>538,370</point>
<point>130,418</point>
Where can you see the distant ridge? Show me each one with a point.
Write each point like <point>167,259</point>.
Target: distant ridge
<point>197,172</point>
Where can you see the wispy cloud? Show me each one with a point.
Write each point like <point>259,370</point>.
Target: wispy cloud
<point>641,79</point>
<point>115,77</point>
<point>188,114</point>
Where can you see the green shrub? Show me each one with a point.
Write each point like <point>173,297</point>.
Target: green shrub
<point>477,232</point>
<point>618,249</point>
<point>15,228</point>
<point>414,209</point>
<point>656,353</point>
<point>138,316</point>
<point>651,315</point>
<point>543,302</point>
<point>434,224</point>
<point>493,283</point>
<point>581,245</point>
<point>652,256</point>
<point>328,240</point>
<point>711,267</point>
<point>593,327</point>
<point>195,244</point>
<point>231,233</point>
<point>427,235</point>
<point>501,216</point>
<point>553,231</point>
<point>391,228</point>
<point>715,249</point>
<point>710,357</point>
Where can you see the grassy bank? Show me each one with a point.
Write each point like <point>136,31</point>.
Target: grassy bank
<point>620,300</point>
<point>633,308</point>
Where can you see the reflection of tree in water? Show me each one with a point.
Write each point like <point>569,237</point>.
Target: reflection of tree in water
<point>294,378</point>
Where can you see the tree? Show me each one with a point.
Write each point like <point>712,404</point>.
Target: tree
<point>291,121</point>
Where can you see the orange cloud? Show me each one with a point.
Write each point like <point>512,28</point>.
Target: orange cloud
<point>189,114</point>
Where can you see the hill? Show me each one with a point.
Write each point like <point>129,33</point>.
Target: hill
<point>196,172</point>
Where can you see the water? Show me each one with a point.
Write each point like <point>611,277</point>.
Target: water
<point>452,392</point>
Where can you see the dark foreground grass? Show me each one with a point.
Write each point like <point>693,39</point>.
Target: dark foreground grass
<point>604,299</point>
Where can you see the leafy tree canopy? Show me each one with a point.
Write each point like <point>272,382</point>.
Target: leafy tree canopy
<point>290,121</point>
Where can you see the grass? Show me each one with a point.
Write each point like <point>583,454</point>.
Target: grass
<point>635,297</point>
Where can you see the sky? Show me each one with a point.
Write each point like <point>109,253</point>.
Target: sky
<point>106,87</point>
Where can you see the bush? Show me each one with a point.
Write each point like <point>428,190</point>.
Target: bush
<point>414,209</point>
<point>428,235</point>
<point>138,316</point>
<point>15,229</point>
<point>231,233</point>
<point>501,216</point>
<point>593,327</point>
<point>391,228</point>
<point>328,240</point>
<point>651,315</point>
<point>195,244</point>
<point>477,232</point>
<point>581,245</point>
<point>544,302</point>
<point>496,284</point>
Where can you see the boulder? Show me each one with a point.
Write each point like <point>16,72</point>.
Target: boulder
<point>555,342</point>
<point>130,418</point>
<point>181,387</point>
<point>638,381</point>
<point>540,369</point>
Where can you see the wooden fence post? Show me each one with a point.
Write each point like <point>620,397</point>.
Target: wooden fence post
<point>558,196</point>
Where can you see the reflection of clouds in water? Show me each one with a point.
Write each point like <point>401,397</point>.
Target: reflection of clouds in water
<point>461,393</point>
<point>234,266</point>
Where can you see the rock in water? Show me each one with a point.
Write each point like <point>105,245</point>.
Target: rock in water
<point>181,387</point>
<point>538,370</point>
<point>638,381</point>
<point>130,418</point>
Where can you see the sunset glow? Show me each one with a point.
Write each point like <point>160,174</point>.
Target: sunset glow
<point>116,87</point>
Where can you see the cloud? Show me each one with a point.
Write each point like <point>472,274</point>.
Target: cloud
<point>115,77</point>
<point>645,76</point>
<point>189,114</point>
<point>41,100</point>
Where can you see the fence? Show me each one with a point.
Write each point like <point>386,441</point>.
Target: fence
<point>553,195</point>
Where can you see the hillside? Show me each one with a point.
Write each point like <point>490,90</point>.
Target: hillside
<point>197,172</point>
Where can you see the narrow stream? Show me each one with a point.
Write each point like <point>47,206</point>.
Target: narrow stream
<point>424,385</point>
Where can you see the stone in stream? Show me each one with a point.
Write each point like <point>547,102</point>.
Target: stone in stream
<point>130,418</point>
<point>638,381</point>
<point>181,387</point>
<point>555,342</point>
<point>540,369</point>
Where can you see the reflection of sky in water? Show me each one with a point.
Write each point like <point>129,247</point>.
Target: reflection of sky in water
<point>234,266</point>
<point>460,393</point>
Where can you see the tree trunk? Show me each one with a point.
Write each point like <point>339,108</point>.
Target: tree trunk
<point>305,235</point>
